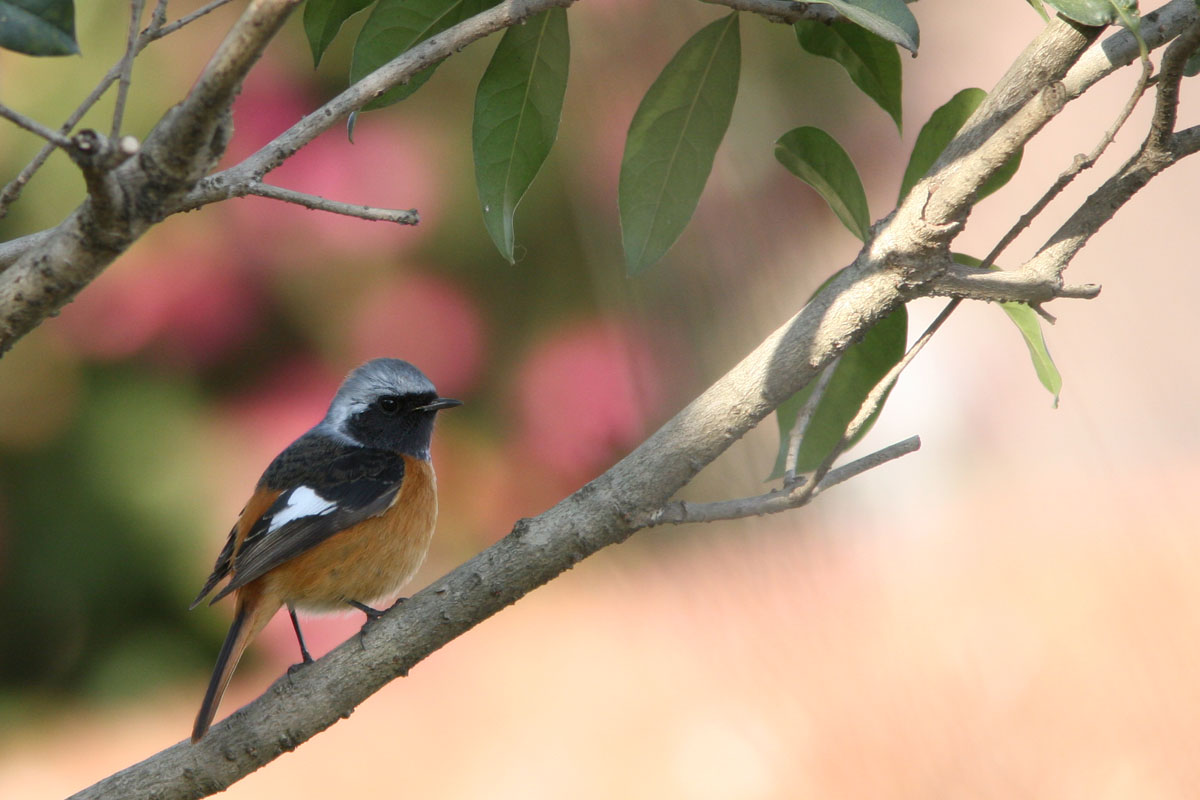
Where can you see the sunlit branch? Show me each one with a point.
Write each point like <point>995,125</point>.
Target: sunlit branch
<point>682,512</point>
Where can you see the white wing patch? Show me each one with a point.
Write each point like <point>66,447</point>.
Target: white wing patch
<point>302,502</point>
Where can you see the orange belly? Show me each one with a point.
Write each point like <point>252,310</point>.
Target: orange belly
<point>369,561</point>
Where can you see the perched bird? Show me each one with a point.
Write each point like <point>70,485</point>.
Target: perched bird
<point>343,515</point>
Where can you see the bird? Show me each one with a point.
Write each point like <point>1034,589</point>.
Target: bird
<point>343,517</point>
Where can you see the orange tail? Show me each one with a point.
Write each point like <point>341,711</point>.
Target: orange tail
<point>252,614</point>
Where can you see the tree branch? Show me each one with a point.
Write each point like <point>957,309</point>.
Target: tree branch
<point>1004,286</point>
<point>156,30</point>
<point>126,66</point>
<point>232,181</point>
<point>399,216</point>
<point>54,138</point>
<point>680,512</point>
<point>902,260</point>
<point>1161,149</point>
<point>177,153</point>
<point>1078,165</point>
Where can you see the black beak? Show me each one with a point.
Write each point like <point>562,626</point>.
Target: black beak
<point>439,404</point>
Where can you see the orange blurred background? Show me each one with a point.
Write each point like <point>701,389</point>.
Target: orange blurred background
<point>1009,612</point>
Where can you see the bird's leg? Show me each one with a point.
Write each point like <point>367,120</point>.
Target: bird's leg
<point>299,637</point>
<point>372,613</point>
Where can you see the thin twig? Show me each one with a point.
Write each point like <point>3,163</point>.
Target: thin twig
<point>164,30</point>
<point>1160,150</point>
<point>155,31</point>
<point>681,512</point>
<point>804,418</point>
<point>876,396</point>
<point>505,14</point>
<point>125,67</point>
<point>55,138</point>
<point>1080,163</point>
<point>399,216</point>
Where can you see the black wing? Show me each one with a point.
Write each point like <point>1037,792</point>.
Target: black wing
<point>328,486</point>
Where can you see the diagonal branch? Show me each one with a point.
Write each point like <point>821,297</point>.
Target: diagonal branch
<point>178,152</point>
<point>680,512</point>
<point>892,269</point>
<point>1161,149</point>
<point>156,30</point>
<point>399,216</point>
<point>397,71</point>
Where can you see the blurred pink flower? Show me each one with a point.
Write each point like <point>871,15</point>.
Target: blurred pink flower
<point>288,401</point>
<point>427,320</point>
<point>389,165</point>
<point>190,306</point>
<point>583,394</point>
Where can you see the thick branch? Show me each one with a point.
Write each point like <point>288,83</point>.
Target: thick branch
<point>177,153</point>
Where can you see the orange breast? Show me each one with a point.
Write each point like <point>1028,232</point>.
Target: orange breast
<point>369,561</point>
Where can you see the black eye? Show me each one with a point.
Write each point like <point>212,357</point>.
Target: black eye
<point>389,405</point>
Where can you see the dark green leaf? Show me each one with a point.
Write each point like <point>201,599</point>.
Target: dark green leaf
<point>861,366</point>
<point>517,107</point>
<point>890,19</point>
<point>871,61</point>
<point>1093,12</point>
<point>673,139</point>
<point>813,156</point>
<point>38,27</point>
<point>324,18</point>
<point>393,27</point>
<point>942,126</point>
<point>1030,326</point>
<point>1193,65</point>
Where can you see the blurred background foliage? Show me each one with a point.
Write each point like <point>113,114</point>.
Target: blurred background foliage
<point>133,426</point>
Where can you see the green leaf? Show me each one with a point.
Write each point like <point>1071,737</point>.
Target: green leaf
<point>673,139</point>
<point>872,62</point>
<point>1192,67</point>
<point>860,368</point>
<point>941,128</point>
<point>1030,326</point>
<point>1039,8</point>
<point>38,27</point>
<point>814,157</point>
<point>393,27</point>
<point>1093,12</point>
<point>323,19</point>
<point>890,19</point>
<point>517,108</point>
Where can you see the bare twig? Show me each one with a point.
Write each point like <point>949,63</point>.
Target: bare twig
<point>681,512</point>
<point>875,398</point>
<point>160,30</point>
<point>397,71</point>
<point>55,138</point>
<point>1004,286</point>
<point>183,146</point>
<point>155,31</point>
<point>783,11</point>
<point>125,67</point>
<point>400,216</point>
<point>1161,149</point>
<point>804,419</point>
<point>1080,163</point>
